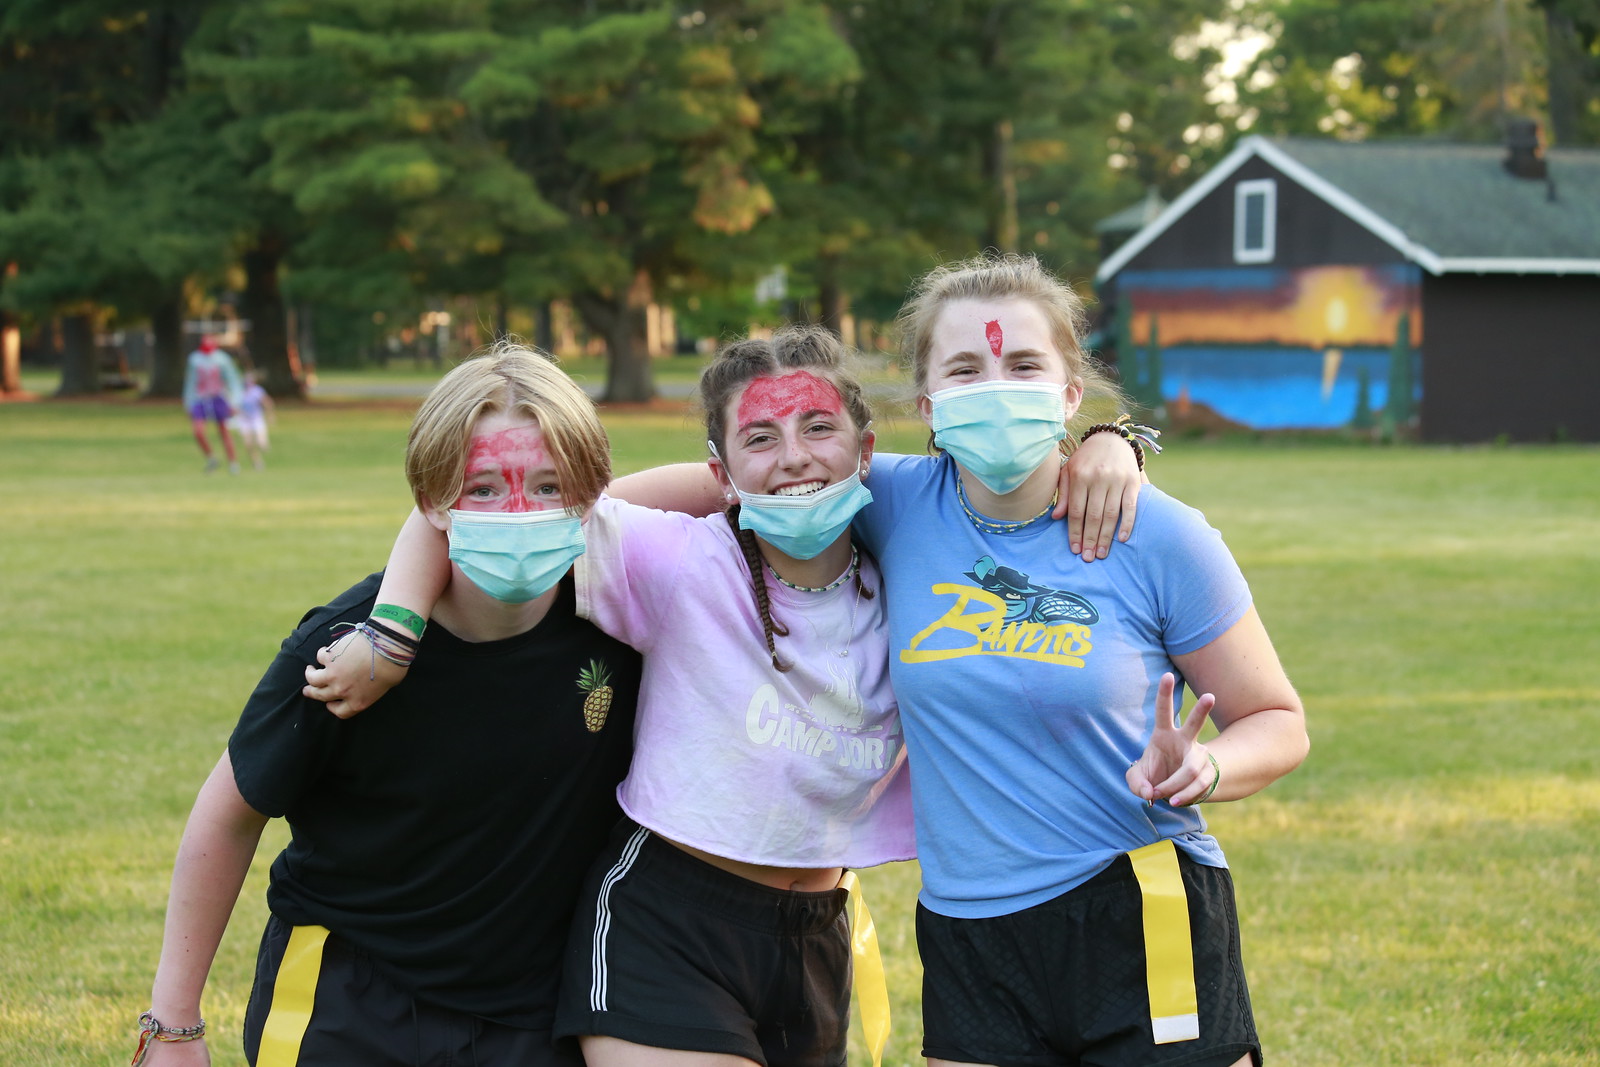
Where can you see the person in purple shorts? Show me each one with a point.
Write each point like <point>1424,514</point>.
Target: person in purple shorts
<point>210,391</point>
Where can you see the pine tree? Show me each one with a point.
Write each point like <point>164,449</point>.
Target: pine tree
<point>1153,399</point>
<point>100,211</point>
<point>1362,419</point>
<point>1397,408</point>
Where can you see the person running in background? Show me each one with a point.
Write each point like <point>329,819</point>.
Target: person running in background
<point>420,911</point>
<point>255,410</point>
<point>211,391</point>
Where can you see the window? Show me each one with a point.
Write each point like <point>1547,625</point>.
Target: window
<point>1255,221</point>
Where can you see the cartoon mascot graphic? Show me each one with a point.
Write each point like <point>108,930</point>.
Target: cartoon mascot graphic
<point>1027,602</point>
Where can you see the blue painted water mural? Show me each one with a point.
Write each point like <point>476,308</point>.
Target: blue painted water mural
<point>1277,388</point>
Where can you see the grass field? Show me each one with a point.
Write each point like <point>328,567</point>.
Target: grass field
<point>1423,891</point>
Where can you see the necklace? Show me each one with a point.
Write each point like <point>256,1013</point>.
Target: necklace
<point>850,633</point>
<point>990,526</point>
<point>849,572</point>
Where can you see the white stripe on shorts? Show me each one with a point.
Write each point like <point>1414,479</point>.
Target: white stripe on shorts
<point>602,918</point>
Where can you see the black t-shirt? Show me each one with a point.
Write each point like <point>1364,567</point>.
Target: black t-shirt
<point>447,829</point>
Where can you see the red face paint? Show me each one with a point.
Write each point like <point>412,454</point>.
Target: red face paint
<point>997,340</point>
<point>506,459</point>
<point>775,399</point>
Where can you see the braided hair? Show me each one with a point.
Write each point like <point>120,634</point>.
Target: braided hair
<point>796,347</point>
<point>758,584</point>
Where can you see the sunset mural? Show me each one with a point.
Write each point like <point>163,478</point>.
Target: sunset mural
<point>1273,348</point>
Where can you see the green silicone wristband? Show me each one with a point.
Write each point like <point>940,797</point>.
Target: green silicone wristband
<point>405,617</point>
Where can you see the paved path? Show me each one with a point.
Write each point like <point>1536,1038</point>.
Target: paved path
<point>876,391</point>
<point>381,389</point>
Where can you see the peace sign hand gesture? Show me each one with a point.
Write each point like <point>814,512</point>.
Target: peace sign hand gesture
<point>1175,766</point>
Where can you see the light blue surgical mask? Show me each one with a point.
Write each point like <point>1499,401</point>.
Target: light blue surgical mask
<point>801,527</point>
<point>1000,431</point>
<point>515,556</point>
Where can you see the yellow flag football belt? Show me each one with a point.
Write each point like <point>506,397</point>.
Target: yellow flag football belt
<point>292,996</point>
<point>296,986</point>
<point>1168,955</point>
<point>871,989</point>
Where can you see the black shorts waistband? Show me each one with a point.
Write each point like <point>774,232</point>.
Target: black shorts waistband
<point>692,880</point>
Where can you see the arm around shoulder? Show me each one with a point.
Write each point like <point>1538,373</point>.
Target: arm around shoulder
<point>687,487</point>
<point>1099,493</point>
<point>416,577</point>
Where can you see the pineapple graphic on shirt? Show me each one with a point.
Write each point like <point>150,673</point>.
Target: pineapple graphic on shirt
<point>595,680</point>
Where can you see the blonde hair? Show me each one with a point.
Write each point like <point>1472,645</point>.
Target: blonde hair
<point>1007,276</point>
<point>507,377</point>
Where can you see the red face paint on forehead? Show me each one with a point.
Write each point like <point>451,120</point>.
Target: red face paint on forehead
<point>775,399</point>
<point>997,339</point>
<point>511,454</point>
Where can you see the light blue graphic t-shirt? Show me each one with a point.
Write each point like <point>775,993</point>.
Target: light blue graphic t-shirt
<point>1027,682</point>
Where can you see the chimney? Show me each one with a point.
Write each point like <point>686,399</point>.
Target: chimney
<point>1524,153</point>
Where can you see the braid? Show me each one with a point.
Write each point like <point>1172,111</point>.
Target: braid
<point>861,586</point>
<point>758,583</point>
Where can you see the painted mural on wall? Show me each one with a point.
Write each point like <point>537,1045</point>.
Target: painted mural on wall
<point>1273,348</point>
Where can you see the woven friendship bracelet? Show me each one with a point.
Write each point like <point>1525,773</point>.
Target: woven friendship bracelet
<point>150,1029</point>
<point>384,643</point>
<point>404,616</point>
<point>397,648</point>
<point>393,636</point>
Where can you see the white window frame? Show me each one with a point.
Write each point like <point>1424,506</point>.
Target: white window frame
<point>1267,190</point>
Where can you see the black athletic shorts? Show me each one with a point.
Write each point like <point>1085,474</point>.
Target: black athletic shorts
<point>358,1015</point>
<point>668,951</point>
<point>1064,982</point>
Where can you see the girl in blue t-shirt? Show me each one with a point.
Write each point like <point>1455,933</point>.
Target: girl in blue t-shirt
<point>1074,910</point>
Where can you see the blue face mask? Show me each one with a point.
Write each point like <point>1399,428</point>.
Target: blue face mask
<point>1000,431</point>
<point>801,527</point>
<point>515,556</point>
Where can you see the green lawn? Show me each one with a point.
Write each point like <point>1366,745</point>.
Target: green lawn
<point>1423,891</point>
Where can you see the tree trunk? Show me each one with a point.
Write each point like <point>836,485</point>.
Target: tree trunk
<point>830,298</point>
<point>544,331</point>
<point>305,333</point>
<point>167,355</point>
<point>79,375</point>
<point>620,319</point>
<point>1002,181</point>
<point>272,349</point>
<point>10,343</point>
<point>10,354</point>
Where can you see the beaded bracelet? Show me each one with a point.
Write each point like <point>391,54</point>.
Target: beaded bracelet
<point>1138,436</point>
<point>150,1029</point>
